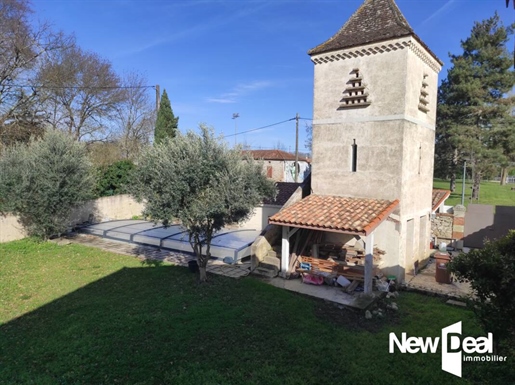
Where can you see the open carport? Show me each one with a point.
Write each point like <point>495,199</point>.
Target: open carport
<point>233,243</point>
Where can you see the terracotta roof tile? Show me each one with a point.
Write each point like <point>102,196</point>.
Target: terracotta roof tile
<point>274,155</point>
<point>337,214</point>
<point>374,21</point>
<point>439,196</point>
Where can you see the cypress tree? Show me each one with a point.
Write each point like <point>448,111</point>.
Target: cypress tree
<point>166,122</point>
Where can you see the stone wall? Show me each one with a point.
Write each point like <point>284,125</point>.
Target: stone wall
<point>98,210</point>
<point>277,169</point>
<point>450,226</point>
<point>10,229</point>
<point>441,226</point>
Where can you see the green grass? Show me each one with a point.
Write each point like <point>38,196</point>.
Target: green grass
<point>490,193</point>
<point>76,315</point>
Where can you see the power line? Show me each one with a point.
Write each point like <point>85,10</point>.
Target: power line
<point>261,128</point>
<point>79,87</point>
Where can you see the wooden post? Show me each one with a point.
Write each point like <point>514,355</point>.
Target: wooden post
<point>297,148</point>
<point>158,98</point>
<point>285,252</point>
<point>369,262</point>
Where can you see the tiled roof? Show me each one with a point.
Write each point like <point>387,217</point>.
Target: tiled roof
<point>439,196</point>
<point>336,214</point>
<point>274,155</point>
<point>374,21</point>
<point>284,191</point>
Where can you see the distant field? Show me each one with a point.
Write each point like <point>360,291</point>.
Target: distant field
<point>490,193</point>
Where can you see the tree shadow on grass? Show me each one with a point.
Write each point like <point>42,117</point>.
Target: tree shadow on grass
<point>157,325</point>
<point>149,325</point>
<point>110,330</point>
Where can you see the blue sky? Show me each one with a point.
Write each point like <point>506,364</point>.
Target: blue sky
<point>216,58</point>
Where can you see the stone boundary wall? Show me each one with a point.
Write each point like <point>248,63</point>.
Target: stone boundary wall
<point>98,210</point>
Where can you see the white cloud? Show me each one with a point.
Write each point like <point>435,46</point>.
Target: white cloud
<point>447,7</point>
<point>201,28</point>
<point>240,90</point>
<point>221,100</point>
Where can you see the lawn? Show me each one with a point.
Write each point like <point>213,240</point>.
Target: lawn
<point>76,315</point>
<point>490,193</point>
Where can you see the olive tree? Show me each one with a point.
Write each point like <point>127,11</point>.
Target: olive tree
<point>198,181</point>
<point>491,273</point>
<point>43,181</point>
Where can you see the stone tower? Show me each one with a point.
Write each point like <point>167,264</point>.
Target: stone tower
<point>375,95</point>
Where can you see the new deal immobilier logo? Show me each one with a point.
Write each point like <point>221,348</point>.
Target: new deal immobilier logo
<point>453,347</point>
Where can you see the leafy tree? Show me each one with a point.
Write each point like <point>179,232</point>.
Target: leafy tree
<point>472,101</point>
<point>166,123</point>
<point>113,179</point>
<point>42,181</point>
<point>103,154</point>
<point>491,273</point>
<point>200,182</point>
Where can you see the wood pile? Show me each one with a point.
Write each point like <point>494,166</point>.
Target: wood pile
<point>334,259</point>
<point>350,255</point>
<point>327,266</point>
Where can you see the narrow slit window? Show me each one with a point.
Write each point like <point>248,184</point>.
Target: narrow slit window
<point>354,156</point>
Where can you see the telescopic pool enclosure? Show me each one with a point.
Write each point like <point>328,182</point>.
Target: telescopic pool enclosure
<point>233,243</point>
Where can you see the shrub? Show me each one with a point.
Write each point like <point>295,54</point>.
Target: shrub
<point>42,181</point>
<point>113,179</point>
<point>491,273</point>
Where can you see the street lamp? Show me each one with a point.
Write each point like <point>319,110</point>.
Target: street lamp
<point>463,185</point>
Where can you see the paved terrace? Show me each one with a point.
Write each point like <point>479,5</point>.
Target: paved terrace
<point>425,282</point>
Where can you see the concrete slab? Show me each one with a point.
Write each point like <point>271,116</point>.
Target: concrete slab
<point>329,293</point>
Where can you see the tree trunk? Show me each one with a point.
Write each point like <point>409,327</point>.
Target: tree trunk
<point>475,186</point>
<point>203,274</point>
<point>504,174</point>
<point>452,183</point>
<point>454,166</point>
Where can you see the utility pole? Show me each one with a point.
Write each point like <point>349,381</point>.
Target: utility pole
<point>234,116</point>
<point>158,97</point>
<point>297,148</point>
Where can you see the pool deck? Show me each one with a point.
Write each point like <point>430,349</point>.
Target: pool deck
<point>151,253</point>
<point>423,282</point>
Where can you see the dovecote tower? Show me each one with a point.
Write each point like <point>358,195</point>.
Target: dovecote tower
<point>375,94</point>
